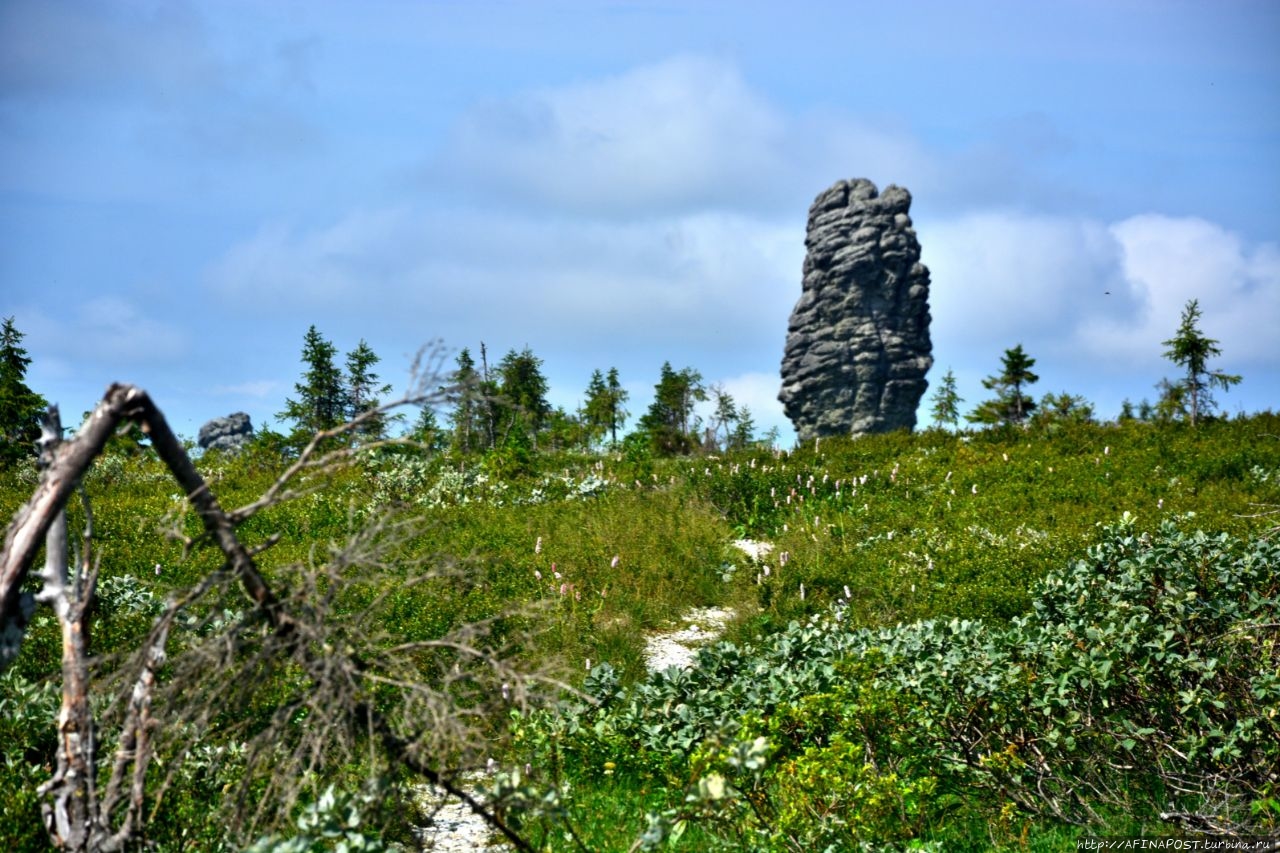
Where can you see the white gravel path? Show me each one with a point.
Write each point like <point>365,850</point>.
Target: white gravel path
<point>457,829</point>
<point>680,647</point>
<point>753,549</point>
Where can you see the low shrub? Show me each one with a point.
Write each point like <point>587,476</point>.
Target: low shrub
<point>1143,682</point>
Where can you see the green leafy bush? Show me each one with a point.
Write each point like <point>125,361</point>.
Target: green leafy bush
<point>1143,682</point>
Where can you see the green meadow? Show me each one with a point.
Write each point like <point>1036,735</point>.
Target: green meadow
<point>1006,639</point>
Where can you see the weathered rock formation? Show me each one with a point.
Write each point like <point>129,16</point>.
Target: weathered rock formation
<point>229,433</point>
<point>858,343</point>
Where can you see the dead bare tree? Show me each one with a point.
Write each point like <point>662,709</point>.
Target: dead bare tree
<point>407,708</point>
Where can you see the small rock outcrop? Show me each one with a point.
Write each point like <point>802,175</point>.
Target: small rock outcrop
<point>229,433</point>
<point>858,343</point>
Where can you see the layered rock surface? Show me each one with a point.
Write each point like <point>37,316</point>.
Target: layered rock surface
<point>229,433</point>
<point>858,344</point>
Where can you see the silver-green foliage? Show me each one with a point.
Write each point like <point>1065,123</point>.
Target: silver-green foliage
<point>1144,681</point>
<point>332,823</point>
<point>425,483</point>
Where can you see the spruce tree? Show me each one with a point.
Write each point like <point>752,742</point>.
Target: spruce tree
<point>565,430</point>
<point>1190,349</point>
<point>1011,405</point>
<point>427,431</point>
<point>363,390</point>
<point>1064,408</point>
<point>523,402</point>
<point>668,423</point>
<point>464,393</point>
<point>744,430</point>
<point>321,401</point>
<point>724,416</point>
<point>603,413</point>
<point>946,401</point>
<point>617,396</point>
<point>596,410</point>
<point>20,407</point>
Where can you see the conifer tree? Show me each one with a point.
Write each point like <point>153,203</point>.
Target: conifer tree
<point>363,390</point>
<point>946,401</point>
<point>523,405</point>
<point>603,412</point>
<point>20,407</point>
<point>566,430</point>
<point>1190,349</point>
<point>1064,408</point>
<point>723,418</point>
<point>465,393</point>
<point>617,396</point>
<point>1171,402</point>
<point>669,419</point>
<point>744,430</point>
<point>321,401</point>
<point>490,404</point>
<point>427,430</point>
<point>1011,405</point>
<point>595,412</point>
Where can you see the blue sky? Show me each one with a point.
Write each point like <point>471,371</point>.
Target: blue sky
<point>186,187</point>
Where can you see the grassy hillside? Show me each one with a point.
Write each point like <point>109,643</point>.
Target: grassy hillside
<point>884,678</point>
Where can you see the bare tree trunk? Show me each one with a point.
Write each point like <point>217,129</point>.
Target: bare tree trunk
<point>68,802</point>
<point>74,817</point>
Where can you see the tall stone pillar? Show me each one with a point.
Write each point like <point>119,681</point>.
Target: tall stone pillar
<point>858,343</point>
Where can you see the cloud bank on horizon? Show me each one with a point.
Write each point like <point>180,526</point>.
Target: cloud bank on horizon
<point>187,187</point>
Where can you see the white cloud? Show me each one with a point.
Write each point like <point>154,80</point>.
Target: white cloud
<point>1168,261</point>
<point>680,132</point>
<point>282,265</point>
<point>999,278</point>
<point>1090,301</point>
<point>1094,302</point>
<point>684,134</point>
<point>637,217</point>
<point>709,282</point>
